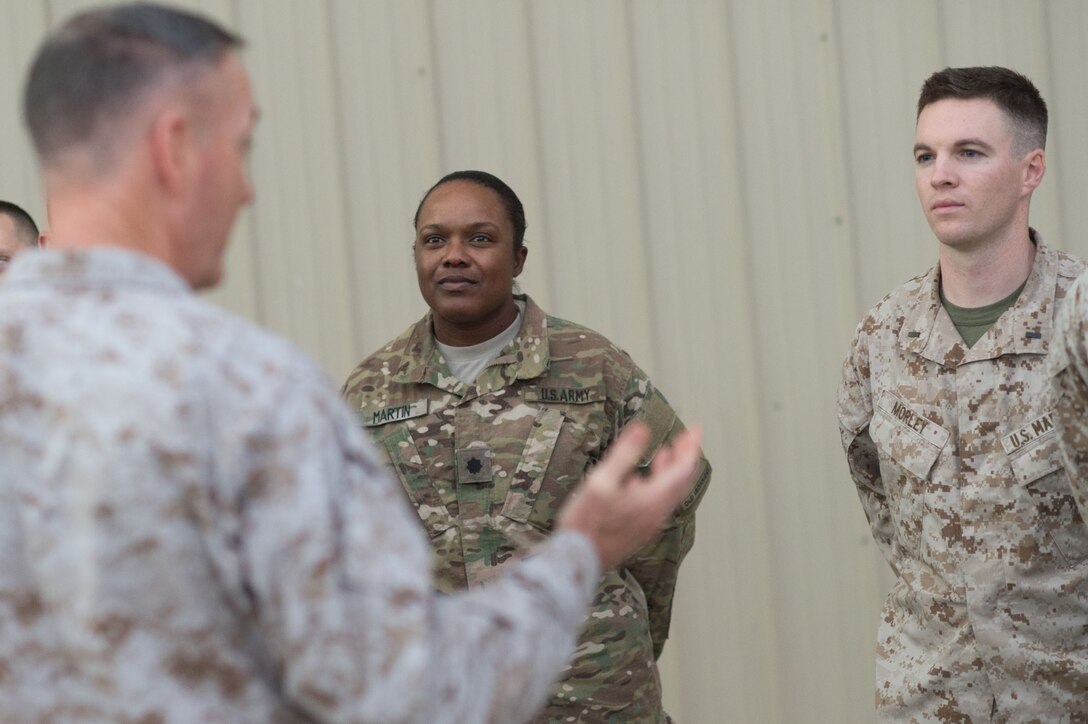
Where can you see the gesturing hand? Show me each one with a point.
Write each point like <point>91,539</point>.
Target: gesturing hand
<point>621,510</point>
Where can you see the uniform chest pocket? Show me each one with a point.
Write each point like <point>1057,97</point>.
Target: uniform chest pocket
<point>905,438</point>
<point>554,458</point>
<point>1037,466</point>
<point>528,479</point>
<point>1033,449</point>
<point>408,465</point>
<point>908,447</point>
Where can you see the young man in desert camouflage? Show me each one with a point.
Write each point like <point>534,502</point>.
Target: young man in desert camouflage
<point>949,427</point>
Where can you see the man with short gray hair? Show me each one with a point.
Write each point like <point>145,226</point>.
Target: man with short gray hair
<point>192,526</point>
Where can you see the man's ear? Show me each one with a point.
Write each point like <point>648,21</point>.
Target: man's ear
<point>171,140</point>
<point>1034,169</point>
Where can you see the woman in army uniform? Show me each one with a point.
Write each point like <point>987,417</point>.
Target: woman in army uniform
<point>490,411</point>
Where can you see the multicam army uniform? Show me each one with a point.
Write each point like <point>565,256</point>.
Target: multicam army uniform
<point>487,466</point>
<point>1069,379</point>
<point>193,529</point>
<point>955,456</point>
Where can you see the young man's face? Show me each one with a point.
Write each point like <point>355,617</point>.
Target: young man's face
<point>973,185</point>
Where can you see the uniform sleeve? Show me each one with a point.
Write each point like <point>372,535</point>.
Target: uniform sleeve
<point>657,565</point>
<point>337,575</point>
<point>855,414</point>
<point>1068,363</point>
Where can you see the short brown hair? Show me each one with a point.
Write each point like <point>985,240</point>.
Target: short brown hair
<point>25,228</point>
<point>1012,92</point>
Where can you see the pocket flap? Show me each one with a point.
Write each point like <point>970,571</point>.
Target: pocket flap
<point>911,440</point>
<point>432,506</point>
<point>534,462</point>
<point>1033,448</point>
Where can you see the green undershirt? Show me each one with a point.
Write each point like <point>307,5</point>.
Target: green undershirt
<point>973,322</point>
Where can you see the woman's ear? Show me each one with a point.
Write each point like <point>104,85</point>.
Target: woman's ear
<point>519,259</point>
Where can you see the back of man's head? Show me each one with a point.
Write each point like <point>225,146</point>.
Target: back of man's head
<point>1012,92</point>
<point>25,229</point>
<point>101,63</point>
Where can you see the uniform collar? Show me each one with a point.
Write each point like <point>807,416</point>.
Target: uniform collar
<point>528,353</point>
<point>1024,328</point>
<point>527,356</point>
<point>92,268</point>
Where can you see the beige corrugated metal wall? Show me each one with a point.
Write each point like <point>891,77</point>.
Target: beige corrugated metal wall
<point>721,186</point>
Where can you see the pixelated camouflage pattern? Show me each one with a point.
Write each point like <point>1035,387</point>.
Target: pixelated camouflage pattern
<point>955,455</point>
<point>194,529</point>
<point>541,413</point>
<point>1069,380</point>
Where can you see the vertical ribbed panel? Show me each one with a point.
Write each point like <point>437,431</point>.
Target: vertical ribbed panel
<point>722,187</point>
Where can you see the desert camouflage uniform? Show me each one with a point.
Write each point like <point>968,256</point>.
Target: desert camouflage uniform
<point>955,455</point>
<point>488,465</point>
<point>193,529</point>
<point>1069,370</point>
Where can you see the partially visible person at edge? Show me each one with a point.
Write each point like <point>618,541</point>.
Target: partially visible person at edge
<point>192,526</point>
<point>1069,380</point>
<point>490,410</point>
<point>18,232</point>
<point>948,423</point>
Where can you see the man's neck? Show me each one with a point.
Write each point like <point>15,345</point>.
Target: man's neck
<point>986,273</point>
<point>103,214</point>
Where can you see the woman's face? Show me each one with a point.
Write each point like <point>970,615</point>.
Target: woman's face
<point>465,262</point>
